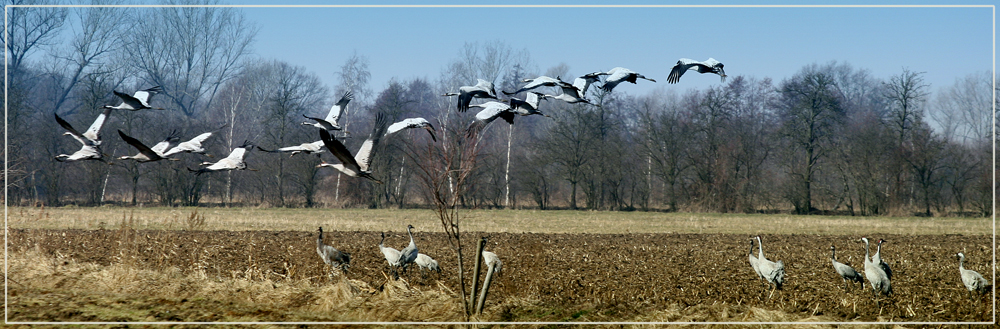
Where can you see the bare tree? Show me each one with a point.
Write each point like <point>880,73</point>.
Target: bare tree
<point>810,112</point>
<point>926,160</point>
<point>444,169</point>
<point>906,93</point>
<point>191,51</point>
<point>295,91</point>
<point>964,109</point>
<point>92,50</point>
<point>354,76</point>
<point>30,28</point>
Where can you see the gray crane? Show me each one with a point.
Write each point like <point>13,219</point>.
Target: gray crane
<point>332,120</point>
<point>86,152</point>
<point>148,154</point>
<point>426,262</point>
<point>307,148</point>
<point>90,140</point>
<point>235,161</point>
<point>493,261</point>
<point>409,254</point>
<point>391,255</point>
<point>684,64</point>
<point>618,75</point>
<point>529,105</point>
<point>483,89</point>
<point>358,165</point>
<point>845,271</point>
<point>876,276</point>
<point>570,94</point>
<point>190,146</point>
<point>541,81</point>
<point>138,101</point>
<point>877,259</point>
<point>973,281</point>
<point>583,82</point>
<point>773,272</point>
<point>92,136</point>
<point>411,123</point>
<point>330,255</point>
<point>491,111</point>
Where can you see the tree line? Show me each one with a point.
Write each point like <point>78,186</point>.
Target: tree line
<point>832,138</point>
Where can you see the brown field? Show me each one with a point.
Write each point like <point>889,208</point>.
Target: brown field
<point>124,273</point>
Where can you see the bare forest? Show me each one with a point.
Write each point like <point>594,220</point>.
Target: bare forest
<point>831,138</point>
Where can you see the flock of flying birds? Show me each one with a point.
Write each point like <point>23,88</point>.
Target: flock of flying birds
<point>359,164</point>
<point>876,271</point>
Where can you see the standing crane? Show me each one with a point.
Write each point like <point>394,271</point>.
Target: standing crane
<point>618,75</point>
<point>148,154</point>
<point>684,64</point>
<point>877,259</point>
<point>409,254</point>
<point>411,123</point>
<point>876,276</point>
<point>492,261</point>
<point>332,120</point>
<point>190,146</point>
<point>330,255</point>
<point>846,272</point>
<point>391,255</point>
<point>138,101</point>
<point>773,272</point>
<point>358,165</point>
<point>235,161</point>
<point>972,279</point>
<point>307,148</point>
<point>426,262</point>
<point>483,89</point>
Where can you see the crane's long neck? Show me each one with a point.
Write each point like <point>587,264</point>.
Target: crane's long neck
<point>878,248</point>
<point>751,248</point>
<point>867,259</point>
<point>833,254</point>
<point>961,262</point>
<point>760,246</point>
<point>411,235</point>
<point>319,240</point>
<point>380,245</point>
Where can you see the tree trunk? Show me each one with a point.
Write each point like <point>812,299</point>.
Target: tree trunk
<point>506,173</point>
<point>572,197</point>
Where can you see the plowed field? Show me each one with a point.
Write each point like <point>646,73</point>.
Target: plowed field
<point>618,276</point>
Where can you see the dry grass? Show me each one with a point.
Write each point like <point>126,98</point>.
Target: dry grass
<point>121,292</point>
<point>512,221</point>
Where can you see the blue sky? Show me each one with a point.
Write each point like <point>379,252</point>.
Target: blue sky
<point>404,43</point>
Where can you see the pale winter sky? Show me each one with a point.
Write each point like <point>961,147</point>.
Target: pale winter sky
<point>404,43</point>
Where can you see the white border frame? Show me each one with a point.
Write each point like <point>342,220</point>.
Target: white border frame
<point>993,174</point>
